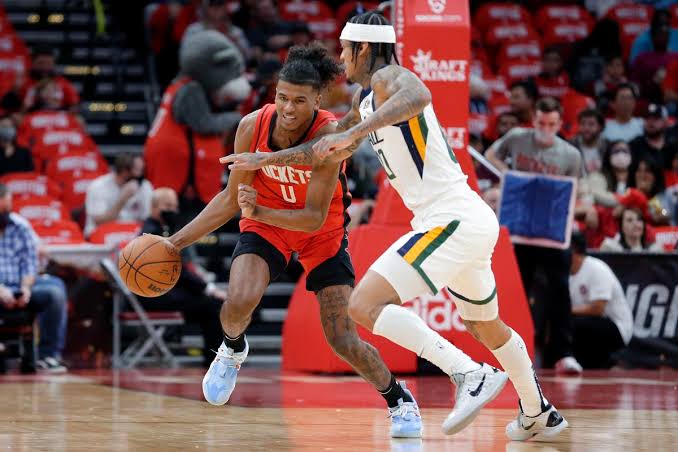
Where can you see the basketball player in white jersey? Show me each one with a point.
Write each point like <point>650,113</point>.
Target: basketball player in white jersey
<point>453,237</point>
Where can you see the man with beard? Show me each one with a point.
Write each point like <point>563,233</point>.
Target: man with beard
<point>654,143</point>
<point>198,300</point>
<point>589,140</point>
<point>541,151</point>
<point>43,73</point>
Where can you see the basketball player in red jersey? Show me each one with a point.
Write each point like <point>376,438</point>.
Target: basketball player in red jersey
<point>313,210</point>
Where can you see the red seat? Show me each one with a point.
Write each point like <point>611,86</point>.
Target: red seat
<point>492,13</point>
<point>115,233</point>
<point>62,232</point>
<point>666,237</point>
<point>550,14</point>
<point>63,166</point>
<point>499,34</point>
<point>573,103</point>
<point>75,188</point>
<point>630,11</point>
<point>629,31</point>
<point>152,315</point>
<point>31,183</point>
<point>477,123</point>
<point>527,49</point>
<point>566,33</point>
<point>40,208</point>
<point>520,69</point>
<point>35,124</point>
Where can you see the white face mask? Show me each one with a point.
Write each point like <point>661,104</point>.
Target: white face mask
<point>544,137</point>
<point>620,160</point>
<point>236,90</point>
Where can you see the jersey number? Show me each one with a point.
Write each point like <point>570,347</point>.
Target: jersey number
<point>384,163</point>
<point>288,193</point>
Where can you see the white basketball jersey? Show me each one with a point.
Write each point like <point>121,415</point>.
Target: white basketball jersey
<point>420,165</point>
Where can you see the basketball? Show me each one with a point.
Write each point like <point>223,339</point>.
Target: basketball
<point>149,265</point>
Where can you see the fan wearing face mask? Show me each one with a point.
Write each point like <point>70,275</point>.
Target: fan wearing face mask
<point>612,180</point>
<point>197,112</point>
<point>45,89</point>
<point>12,158</point>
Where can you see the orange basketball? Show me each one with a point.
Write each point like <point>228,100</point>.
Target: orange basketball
<point>149,265</point>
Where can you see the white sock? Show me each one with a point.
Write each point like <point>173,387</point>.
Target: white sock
<point>516,362</point>
<point>405,328</point>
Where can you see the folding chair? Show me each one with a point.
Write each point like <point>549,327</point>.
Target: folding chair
<point>151,326</point>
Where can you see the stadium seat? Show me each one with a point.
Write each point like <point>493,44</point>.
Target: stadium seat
<point>495,12</point>
<point>35,124</point>
<point>62,232</point>
<point>548,15</point>
<point>75,188</point>
<point>630,11</point>
<point>31,183</point>
<point>666,237</point>
<point>115,233</point>
<point>499,34</point>
<point>527,49</point>
<point>64,165</point>
<point>150,326</point>
<point>520,69</point>
<point>40,208</point>
<point>566,33</point>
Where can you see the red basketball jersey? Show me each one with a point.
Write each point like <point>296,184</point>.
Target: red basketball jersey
<point>285,187</point>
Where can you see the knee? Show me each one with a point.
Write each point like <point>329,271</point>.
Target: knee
<point>240,301</point>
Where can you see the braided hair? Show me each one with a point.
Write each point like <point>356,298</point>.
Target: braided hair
<point>377,49</point>
<point>310,65</point>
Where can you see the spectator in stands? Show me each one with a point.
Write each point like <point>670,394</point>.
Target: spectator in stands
<point>263,86</point>
<point>214,15</point>
<point>601,317</point>
<point>18,288</point>
<point>647,176</point>
<point>198,300</point>
<point>632,234</point>
<point>12,157</point>
<point>612,180</point>
<point>623,126</point>
<point>522,97</point>
<point>505,122</point>
<point>660,37</point>
<point>553,80</point>
<point>56,90</point>
<point>614,75</point>
<point>540,150</point>
<point>589,54</point>
<point>654,143</point>
<point>589,139</point>
<point>122,195</point>
<point>270,32</point>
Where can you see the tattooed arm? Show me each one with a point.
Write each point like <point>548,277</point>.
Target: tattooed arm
<point>398,94</point>
<point>304,153</point>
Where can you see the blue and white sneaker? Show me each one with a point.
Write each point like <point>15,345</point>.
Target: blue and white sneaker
<point>405,418</point>
<point>219,381</point>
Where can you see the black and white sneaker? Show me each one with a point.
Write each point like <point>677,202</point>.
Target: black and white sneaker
<point>547,425</point>
<point>50,365</point>
<point>474,390</point>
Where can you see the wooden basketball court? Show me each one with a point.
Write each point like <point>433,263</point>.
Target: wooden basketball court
<point>162,410</point>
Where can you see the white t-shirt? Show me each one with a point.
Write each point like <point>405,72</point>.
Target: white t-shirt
<point>627,131</point>
<point>596,281</point>
<point>104,192</point>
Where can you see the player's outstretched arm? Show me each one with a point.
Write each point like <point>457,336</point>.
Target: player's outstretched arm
<point>304,153</point>
<point>312,216</point>
<point>223,206</point>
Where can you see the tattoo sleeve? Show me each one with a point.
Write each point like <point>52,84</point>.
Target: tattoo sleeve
<point>402,94</point>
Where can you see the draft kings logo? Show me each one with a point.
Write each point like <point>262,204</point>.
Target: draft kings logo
<point>431,70</point>
<point>438,311</point>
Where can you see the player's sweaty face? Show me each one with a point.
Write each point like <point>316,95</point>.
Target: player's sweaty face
<point>295,104</point>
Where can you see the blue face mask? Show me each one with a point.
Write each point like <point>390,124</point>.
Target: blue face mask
<point>7,134</point>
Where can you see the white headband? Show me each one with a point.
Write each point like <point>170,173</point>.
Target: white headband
<point>368,33</point>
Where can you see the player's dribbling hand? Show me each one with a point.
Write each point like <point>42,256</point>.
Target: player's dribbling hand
<point>331,143</point>
<point>247,161</point>
<point>247,200</point>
